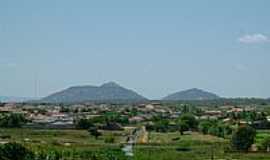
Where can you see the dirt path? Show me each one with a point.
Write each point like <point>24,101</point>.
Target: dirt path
<point>142,135</point>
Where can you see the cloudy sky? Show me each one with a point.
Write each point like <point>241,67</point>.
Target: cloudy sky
<point>154,47</point>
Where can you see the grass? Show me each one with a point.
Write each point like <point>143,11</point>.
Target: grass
<point>61,138</point>
<point>161,146</point>
<point>261,134</point>
<point>165,146</point>
<point>175,137</point>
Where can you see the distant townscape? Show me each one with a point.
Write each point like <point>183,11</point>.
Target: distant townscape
<point>97,122</point>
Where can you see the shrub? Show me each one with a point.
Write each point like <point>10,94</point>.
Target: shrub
<point>94,132</point>
<point>84,124</point>
<point>13,120</point>
<point>243,138</point>
<point>204,126</point>
<point>183,126</point>
<point>109,139</point>
<point>15,151</point>
<point>265,144</point>
<point>190,120</point>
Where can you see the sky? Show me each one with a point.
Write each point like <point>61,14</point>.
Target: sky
<point>153,47</point>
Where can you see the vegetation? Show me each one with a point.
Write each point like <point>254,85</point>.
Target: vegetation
<point>265,145</point>
<point>243,138</point>
<point>94,132</point>
<point>12,120</point>
<point>15,151</point>
<point>79,145</point>
<point>106,92</point>
<point>190,120</point>
<point>84,123</point>
<point>206,132</point>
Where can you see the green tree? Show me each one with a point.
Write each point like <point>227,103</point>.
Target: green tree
<point>13,120</point>
<point>243,138</point>
<point>15,151</point>
<point>161,126</point>
<point>204,126</point>
<point>94,132</point>
<point>182,126</point>
<point>84,123</point>
<point>190,120</point>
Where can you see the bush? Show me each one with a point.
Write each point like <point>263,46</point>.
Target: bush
<point>265,144</point>
<point>109,139</point>
<point>204,126</point>
<point>84,124</point>
<point>215,128</point>
<point>243,138</point>
<point>15,151</point>
<point>190,120</point>
<point>13,120</point>
<point>94,132</point>
<point>182,126</point>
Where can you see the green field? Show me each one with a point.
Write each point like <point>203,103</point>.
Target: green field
<point>161,146</point>
<point>62,138</point>
<point>164,146</point>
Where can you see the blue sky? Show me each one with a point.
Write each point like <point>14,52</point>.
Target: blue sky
<point>154,47</point>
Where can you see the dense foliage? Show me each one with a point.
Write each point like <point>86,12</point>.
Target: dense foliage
<point>216,128</point>
<point>265,144</point>
<point>94,132</point>
<point>243,138</point>
<point>15,151</point>
<point>13,120</point>
<point>106,119</point>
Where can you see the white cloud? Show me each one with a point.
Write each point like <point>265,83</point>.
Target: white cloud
<point>254,38</point>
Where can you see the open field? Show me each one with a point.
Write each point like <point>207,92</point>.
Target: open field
<point>160,146</point>
<point>74,138</point>
<point>195,146</point>
<point>261,134</point>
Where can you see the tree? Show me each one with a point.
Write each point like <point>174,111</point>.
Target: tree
<point>161,126</point>
<point>204,126</point>
<point>12,120</point>
<point>84,123</point>
<point>182,126</point>
<point>94,132</point>
<point>190,120</point>
<point>15,151</point>
<point>243,138</point>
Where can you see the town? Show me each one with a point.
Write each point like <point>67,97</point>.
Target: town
<point>133,127</point>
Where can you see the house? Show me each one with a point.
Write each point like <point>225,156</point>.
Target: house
<point>136,119</point>
<point>212,113</point>
<point>227,120</point>
<point>235,110</point>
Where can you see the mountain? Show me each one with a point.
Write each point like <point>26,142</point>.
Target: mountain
<point>14,99</point>
<point>191,94</point>
<point>106,92</point>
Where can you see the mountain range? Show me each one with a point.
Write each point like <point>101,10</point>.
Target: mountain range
<point>14,99</point>
<point>107,92</point>
<point>111,92</point>
<point>191,94</point>
<point>114,92</point>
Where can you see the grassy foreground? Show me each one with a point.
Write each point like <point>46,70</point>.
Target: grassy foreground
<point>160,146</point>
